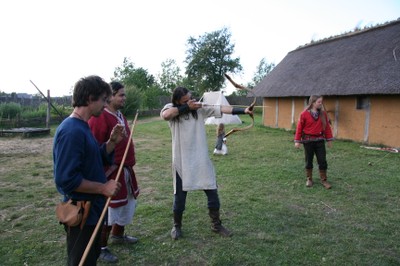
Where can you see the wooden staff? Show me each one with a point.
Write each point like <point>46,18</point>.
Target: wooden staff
<point>96,229</point>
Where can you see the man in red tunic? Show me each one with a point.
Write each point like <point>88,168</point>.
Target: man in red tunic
<point>312,131</point>
<point>122,207</point>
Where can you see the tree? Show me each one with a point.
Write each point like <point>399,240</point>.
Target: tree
<point>138,83</point>
<point>208,58</point>
<point>263,69</point>
<point>129,75</point>
<point>170,76</point>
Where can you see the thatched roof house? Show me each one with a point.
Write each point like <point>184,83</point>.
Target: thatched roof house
<point>359,75</point>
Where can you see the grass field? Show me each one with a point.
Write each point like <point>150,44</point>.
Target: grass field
<point>275,219</point>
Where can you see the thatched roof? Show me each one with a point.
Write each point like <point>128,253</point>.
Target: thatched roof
<point>360,63</point>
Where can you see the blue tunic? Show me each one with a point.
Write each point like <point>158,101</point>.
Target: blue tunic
<point>78,156</point>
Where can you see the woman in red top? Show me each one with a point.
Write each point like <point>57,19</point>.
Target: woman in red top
<point>312,131</point>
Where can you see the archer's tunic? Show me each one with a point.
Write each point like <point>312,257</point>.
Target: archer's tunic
<point>190,158</point>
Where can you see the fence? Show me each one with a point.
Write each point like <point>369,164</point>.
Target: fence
<point>66,101</point>
<point>35,101</point>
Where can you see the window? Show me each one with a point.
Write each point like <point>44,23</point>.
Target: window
<point>362,102</point>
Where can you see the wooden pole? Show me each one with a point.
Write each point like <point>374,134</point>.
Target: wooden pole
<point>48,111</point>
<point>44,96</point>
<point>121,166</point>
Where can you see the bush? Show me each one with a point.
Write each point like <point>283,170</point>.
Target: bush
<point>134,99</point>
<point>29,112</point>
<point>10,110</point>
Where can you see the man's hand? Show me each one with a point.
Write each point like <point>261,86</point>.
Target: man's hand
<point>297,145</point>
<point>111,188</point>
<point>248,111</point>
<point>194,105</point>
<point>117,134</point>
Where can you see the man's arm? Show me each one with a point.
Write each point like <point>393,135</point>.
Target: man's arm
<point>234,110</point>
<point>172,112</point>
<point>108,189</point>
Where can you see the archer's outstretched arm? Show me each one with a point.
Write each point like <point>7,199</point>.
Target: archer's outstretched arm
<point>235,111</point>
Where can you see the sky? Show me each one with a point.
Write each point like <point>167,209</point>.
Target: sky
<point>54,43</point>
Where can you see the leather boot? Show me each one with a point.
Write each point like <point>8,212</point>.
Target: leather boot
<point>309,182</point>
<point>323,176</point>
<point>216,225</point>
<point>176,231</point>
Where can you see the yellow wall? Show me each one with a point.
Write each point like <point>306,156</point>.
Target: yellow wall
<point>351,122</point>
<point>285,113</point>
<point>269,112</point>
<point>384,125</point>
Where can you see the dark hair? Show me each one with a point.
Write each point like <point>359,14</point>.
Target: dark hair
<point>313,99</point>
<point>177,94</point>
<point>89,88</point>
<point>116,86</point>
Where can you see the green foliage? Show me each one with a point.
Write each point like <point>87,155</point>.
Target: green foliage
<point>30,112</point>
<point>10,110</point>
<point>208,58</point>
<point>170,76</point>
<point>143,87</point>
<point>131,76</point>
<point>263,69</point>
<point>134,100</point>
<point>151,97</point>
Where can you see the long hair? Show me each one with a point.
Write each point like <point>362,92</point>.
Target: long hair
<point>220,129</point>
<point>177,95</point>
<point>311,101</point>
<point>89,88</point>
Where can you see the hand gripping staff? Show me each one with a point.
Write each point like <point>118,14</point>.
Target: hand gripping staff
<point>121,166</point>
<point>251,107</point>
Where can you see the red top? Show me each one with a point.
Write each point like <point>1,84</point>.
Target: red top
<point>101,128</point>
<point>309,128</point>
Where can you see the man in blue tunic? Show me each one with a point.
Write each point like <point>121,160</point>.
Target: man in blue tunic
<point>78,164</point>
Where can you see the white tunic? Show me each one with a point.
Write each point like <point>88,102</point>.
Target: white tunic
<point>190,150</point>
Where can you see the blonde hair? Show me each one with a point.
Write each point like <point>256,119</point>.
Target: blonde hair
<point>313,99</point>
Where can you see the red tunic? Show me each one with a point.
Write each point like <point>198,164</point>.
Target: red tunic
<point>101,128</point>
<point>310,129</point>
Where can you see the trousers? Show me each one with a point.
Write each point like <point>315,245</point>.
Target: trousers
<point>317,148</point>
<point>180,197</point>
<point>77,240</point>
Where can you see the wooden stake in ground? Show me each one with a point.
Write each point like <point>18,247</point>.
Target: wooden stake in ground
<point>96,229</point>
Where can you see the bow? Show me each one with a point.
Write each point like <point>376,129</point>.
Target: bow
<point>251,107</point>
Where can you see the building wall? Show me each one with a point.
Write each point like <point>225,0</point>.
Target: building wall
<point>384,125</point>
<point>377,124</point>
<point>351,122</point>
<point>285,113</point>
<point>269,112</point>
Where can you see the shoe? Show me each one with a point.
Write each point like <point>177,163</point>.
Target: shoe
<point>326,184</point>
<point>309,183</point>
<point>124,239</point>
<point>107,256</point>
<point>176,233</point>
<point>220,229</point>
